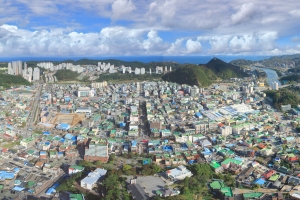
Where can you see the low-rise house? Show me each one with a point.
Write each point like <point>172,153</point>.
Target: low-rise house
<point>27,142</point>
<point>73,169</point>
<point>269,174</point>
<point>216,167</point>
<point>39,165</point>
<point>51,169</point>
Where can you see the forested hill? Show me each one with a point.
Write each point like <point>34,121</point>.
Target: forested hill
<point>204,75</point>
<point>7,81</point>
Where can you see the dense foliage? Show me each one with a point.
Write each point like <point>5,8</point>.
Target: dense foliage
<point>124,77</point>
<point>291,78</point>
<point>241,62</point>
<point>196,186</point>
<point>283,96</point>
<point>66,75</point>
<point>204,75</point>
<point>225,70</point>
<point>68,184</point>
<point>115,187</point>
<point>7,80</point>
<point>191,75</point>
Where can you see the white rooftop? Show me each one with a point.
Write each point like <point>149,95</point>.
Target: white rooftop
<point>94,176</point>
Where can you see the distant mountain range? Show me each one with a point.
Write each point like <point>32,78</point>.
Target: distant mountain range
<point>204,75</point>
<point>292,61</point>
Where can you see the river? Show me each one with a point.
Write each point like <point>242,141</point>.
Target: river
<point>271,75</point>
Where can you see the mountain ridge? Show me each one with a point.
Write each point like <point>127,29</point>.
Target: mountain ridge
<point>204,75</point>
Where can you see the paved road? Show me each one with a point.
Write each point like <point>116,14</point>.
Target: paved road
<point>34,111</point>
<point>45,187</point>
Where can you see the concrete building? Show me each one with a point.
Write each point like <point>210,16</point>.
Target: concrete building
<point>90,181</point>
<point>85,92</point>
<point>36,74</point>
<point>179,173</point>
<point>97,152</point>
<point>225,130</point>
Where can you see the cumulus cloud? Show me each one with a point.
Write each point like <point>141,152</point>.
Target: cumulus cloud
<point>175,48</point>
<point>121,8</point>
<point>245,13</point>
<point>109,41</point>
<point>236,44</point>
<point>193,46</point>
<point>119,40</point>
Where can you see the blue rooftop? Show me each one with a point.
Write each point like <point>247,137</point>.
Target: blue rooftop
<point>259,181</point>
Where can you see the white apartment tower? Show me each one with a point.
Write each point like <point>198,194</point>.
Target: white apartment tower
<point>36,74</point>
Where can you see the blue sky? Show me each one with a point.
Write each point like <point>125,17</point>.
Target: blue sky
<point>148,27</point>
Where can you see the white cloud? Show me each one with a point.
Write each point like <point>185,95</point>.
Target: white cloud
<point>118,40</point>
<point>109,41</point>
<point>121,8</point>
<point>193,46</point>
<point>175,48</point>
<point>236,44</point>
<point>244,14</point>
<point>9,28</point>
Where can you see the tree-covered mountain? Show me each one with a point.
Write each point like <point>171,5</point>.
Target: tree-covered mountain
<point>66,75</point>
<point>191,75</point>
<point>7,80</point>
<point>204,75</point>
<point>225,70</point>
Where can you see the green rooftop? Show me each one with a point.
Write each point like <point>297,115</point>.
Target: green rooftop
<point>215,165</point>
<point>76,197</point>
<point>252,195</point>
<point>77,167</point>
<point>275,177</point>
<point>216,185</point>
<point>230,160</point>
<point>227,191</point>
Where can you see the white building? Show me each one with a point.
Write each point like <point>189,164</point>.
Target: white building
<point>137,71</point>
<point>90,181</point>
<point>179,173</point>
<point>225,130</point>
<point>36,74</point>
<point>86,111</point>
<point>85,92</point>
